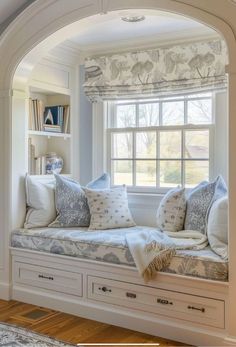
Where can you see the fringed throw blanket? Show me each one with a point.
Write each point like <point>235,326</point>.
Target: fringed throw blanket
<point>153,250</point>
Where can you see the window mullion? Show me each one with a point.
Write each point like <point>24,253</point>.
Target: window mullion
<point>157,159</point>
<point>134,158</point>
<point>182,158</point>
<point>185,111</point>
<point>160,113</point>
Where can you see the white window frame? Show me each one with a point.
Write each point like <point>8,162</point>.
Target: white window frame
<point>110,108</point>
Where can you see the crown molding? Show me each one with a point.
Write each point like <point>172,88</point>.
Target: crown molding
<point>125,45</point>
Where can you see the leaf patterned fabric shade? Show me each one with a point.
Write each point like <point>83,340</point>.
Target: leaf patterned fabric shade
<point>180,68</point>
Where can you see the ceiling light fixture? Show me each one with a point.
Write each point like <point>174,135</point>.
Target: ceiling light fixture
<point>133,19</point>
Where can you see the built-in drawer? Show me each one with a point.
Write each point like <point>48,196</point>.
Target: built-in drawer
<point>192,308</point>
<point>48,278</point>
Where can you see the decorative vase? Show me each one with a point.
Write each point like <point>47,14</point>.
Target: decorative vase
<point>54,163</point>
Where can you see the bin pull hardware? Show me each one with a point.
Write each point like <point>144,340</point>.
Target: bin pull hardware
<point>46,277</point>
<point>197,309</point>
<point>164,302</point>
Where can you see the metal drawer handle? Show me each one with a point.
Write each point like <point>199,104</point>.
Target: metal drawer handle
<point>164,302</point>
<point>131,295</point>
<point>196,308</point>
<point>46,277</point>
<point>104,289</point>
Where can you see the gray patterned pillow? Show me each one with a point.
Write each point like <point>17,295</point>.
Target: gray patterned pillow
<point>71,204</point>
<point>109,208</point>
<point>200,201</point>
<point>171,212</point>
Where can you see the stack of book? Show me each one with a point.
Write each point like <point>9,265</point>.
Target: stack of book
<point>40,165</point>
<point>36,165</point>
<point>56,119</point>
<point>36,114</point>
<point>50,118</point>
<point>31,157</point>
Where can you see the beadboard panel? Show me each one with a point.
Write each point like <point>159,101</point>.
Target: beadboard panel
<point>51,75</point>
<point>144,207</point>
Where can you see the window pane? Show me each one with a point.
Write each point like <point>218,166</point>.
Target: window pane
<point>197,144</point>
<point>122,172</point>
<point>148,115</point>
<point>122,145</point>
<point>200,111</point>
<point>195,172</point>
<point>173,113</point>
<point>170,173</point>
<point>146,173</point>
<point>146,144</point>
<point>125,116</point>
<point>170,144</point>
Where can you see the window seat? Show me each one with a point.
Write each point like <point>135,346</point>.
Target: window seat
<point>110,246</point>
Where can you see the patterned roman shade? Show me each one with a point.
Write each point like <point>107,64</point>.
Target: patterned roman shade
<point>190,67</point>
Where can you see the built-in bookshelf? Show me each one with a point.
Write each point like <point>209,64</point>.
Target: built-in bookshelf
<point>49,125</point>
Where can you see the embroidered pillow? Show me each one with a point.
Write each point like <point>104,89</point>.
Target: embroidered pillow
<point>40,202</point>
<point>217,227</point>
<point>109,208</point>
<point>200,201</point>
<point>71,201</point>
<point>171,212</point>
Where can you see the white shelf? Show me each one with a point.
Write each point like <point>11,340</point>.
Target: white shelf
<point>49,134</point>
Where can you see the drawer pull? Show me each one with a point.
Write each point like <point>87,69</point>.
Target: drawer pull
<point>105,289</point>
<point>164,302</point>
<point>196,308</point>
<point>131,295</point>
<point>46,277</point>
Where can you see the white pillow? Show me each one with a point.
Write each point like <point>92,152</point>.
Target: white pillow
<point>171,211</point>
<point>217,228</point>
<point>109,208</point>
<point>40,200</point>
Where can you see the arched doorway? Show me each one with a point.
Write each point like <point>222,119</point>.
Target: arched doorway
<point>50,20</point>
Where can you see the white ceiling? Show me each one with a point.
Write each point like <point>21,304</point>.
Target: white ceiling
<point>9,7</point>
<point>107,31</point>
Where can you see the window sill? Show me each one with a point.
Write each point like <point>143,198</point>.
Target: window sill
<point>144,200</point>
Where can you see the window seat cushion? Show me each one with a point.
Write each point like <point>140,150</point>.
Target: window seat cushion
<point>110,246</point>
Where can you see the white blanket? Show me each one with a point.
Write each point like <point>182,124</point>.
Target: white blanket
<point>152,250</point>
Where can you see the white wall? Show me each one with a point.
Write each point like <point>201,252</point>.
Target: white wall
<point>85,133</point>
<point>221,135</point>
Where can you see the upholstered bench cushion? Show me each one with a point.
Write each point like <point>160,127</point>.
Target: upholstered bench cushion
<point>110,246</point>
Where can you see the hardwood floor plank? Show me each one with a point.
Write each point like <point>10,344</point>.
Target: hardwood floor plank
<point>74,329</point>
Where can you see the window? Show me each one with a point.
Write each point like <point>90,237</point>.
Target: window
<point>159,144</point>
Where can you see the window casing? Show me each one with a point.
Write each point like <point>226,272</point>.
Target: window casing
<point>154,145</point>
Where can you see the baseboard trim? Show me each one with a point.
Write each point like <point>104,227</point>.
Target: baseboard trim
<point>230,340</point>
<point>5,291</point>
<point>123,318</point>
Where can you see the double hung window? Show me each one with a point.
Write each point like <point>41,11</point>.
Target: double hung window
<point>160,143</point>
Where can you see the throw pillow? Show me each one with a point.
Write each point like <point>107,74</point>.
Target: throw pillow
<point>171,212</point>
<point>102,182</point>
<point>71,201</point>
<point>200,201</point>
<point>109,208</point>
<point>41,208</point>
<point>217,228</point>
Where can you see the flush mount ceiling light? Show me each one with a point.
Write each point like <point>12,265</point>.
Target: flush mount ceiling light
<point>133,19</point>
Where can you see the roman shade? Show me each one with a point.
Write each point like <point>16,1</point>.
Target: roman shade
<point>190,67</point>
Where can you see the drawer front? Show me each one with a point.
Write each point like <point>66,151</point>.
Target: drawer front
<point>191,308</point>
<point>49,278</point>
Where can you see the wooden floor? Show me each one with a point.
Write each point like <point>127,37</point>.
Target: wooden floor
<point>70,328</point>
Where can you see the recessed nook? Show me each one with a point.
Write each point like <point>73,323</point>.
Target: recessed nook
<point>50,67</point>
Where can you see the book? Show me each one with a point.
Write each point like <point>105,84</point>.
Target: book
<point>50,118</point>
<point>52,128</point>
